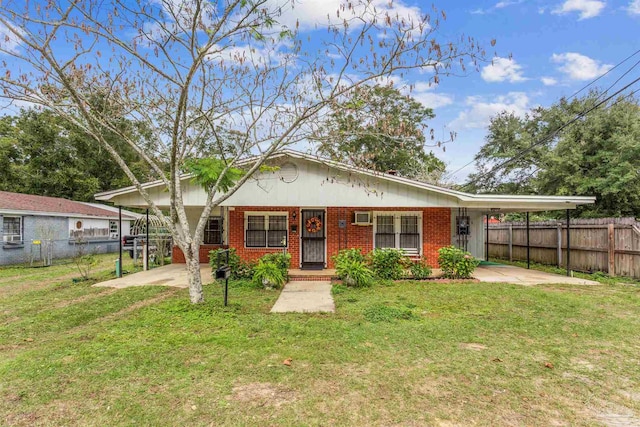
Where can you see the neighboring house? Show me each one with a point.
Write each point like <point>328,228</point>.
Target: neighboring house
<point>312,208</point>
<point>33,224</point>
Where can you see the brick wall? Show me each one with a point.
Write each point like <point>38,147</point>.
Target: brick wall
<point>177,256</point>
<point>436,227</point>
<point>236,233</point>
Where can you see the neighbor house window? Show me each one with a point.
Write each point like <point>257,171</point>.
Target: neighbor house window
<point>11,229</point>
<point>268,230</point>
<point>113,229</point>
<point>401,230</point>
<point>213,231</point>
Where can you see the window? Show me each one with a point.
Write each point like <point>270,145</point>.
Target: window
<point>113,229</point>
<point>268,230</point>
<point>12,229</point>
<point>398,230</point>
<point>213,231</point>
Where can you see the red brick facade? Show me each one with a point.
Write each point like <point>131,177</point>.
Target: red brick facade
<point>436,233</point>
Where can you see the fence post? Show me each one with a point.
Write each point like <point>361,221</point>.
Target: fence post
<point>510,242</point>
<point>612,250</point>
<point>559,245</point>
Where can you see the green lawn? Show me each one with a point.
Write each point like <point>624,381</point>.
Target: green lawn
<point>404,354</point>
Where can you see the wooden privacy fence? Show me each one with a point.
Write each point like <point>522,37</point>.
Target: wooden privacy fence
<point>611,245</point>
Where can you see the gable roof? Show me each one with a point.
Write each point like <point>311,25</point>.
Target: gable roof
<point>480,201</point>
<point>29,203</point>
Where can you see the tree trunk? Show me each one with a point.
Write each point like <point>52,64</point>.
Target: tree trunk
<point>193,273</point>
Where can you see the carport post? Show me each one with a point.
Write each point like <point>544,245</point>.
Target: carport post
<point>147,239</point>
<point>568,243</point>
<point>119,272</point>
<point>528,246</point>
<point>486,255</point>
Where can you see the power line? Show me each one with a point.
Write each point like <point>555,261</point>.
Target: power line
<point>607,72</point>
<point>553,134</point>
<point>576,93</point>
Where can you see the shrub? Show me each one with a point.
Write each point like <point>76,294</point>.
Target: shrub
<point>268,274</point>
<point>354,273</point>
<point>420,269</point>
<point>281,260</point>
<point>387,263</point>
<point>456,263</point>
<point>354,254</point>
<point>239,269</point>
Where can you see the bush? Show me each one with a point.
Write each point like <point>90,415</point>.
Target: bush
<point>456,263</point>
<point>354,273</point>
<point>420,269</point>
<point>239,269</point>
<point>387,263</point>
<point>281,260</point>
<point>268,274</point>
<point>354,254</point>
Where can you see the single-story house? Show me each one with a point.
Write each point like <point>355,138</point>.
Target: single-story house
<point>35,226</point>
<point>314,207</point>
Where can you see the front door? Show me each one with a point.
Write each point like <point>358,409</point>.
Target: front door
<point>313,239</point>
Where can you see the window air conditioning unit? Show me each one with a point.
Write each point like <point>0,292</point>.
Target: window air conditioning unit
<point>362,218</point>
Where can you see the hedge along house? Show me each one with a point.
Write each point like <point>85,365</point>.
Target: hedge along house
<point>313,207</point>
<point>37,227</point>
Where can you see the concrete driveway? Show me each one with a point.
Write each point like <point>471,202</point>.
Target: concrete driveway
<point>522,276</point>
<point>168,275</point>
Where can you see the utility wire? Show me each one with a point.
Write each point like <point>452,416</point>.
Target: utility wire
<point>553,134</point>
<point>576,93</point>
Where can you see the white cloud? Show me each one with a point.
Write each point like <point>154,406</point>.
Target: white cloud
<point>579,67</point>
<point>634,7</point>
<point>586,8</point>
<point>432,99</point>
<point>499,5</point>
<point>502,69</point>
<point>480,110</point>
<point>503,4</point>
<point>8,41</point>
<point>309,14</point>
<point>548,81</point>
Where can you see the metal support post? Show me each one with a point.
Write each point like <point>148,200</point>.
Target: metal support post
<point>119,273</point>
<point>568,243</point>
<point>486,256</point>
<point>147,241</point>
<point>528,244</point>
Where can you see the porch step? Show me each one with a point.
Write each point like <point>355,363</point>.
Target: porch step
<point>311,275</point>
<point>311,278</point>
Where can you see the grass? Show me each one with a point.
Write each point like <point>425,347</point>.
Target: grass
<point>597,276</point>
<point>406,353</point>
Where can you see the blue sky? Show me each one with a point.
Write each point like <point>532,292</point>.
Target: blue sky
<point>556,46</point>
<point>545,49</point>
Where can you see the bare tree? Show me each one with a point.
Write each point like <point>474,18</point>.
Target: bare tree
<point>232,77</point>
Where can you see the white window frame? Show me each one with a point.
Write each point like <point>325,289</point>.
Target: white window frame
<point>20,231</point>
<point>397,226</point>
<point>266,215</point>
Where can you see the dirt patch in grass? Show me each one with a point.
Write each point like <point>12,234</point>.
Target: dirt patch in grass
<point>84,298</point>
<point>134,307</point>
<point>473,346</point>
<point>263,394</point>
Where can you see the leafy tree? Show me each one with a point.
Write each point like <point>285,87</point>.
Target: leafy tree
<point>379,128</point>
<point>196,71</point>
<point>44,154</point>
<point>597,156</point>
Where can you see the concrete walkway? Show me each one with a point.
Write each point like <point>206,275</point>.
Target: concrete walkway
<point>522,276</point>
<point>168,275</point>
<point>305,297</point>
